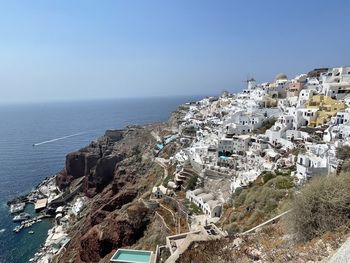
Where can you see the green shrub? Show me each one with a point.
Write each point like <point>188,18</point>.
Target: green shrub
<point>267,176</point>
<point>192,182</point>
<point>167,179</point>
<point>232,228</point>
<point>322,205</point>
<point>343,152</point>
<point>261,202</point>
<point>257,216</point>
<point>281,182</point>
<point>240,198</point>
<point>346,166</point>
<point>233,217</point>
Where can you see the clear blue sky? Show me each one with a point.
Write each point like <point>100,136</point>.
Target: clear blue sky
<point>68,50</point>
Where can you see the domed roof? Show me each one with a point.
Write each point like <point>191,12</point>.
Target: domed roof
<point>281,76</point>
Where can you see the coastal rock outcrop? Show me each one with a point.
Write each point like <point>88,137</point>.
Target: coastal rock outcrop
<point>116,174</point>
<point>117,231</point>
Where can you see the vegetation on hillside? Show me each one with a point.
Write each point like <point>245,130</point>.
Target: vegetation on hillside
<point>343,153</point>
<point>192,182</point>
<point>259,202</point>
<point>322,205</point>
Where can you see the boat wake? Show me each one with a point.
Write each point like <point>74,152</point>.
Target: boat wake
<point>58,139</point>
<point>2,230</point>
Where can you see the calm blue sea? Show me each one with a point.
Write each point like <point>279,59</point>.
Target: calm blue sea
<point>22,166</point>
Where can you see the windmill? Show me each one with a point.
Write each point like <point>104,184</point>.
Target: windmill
<point>250,82</point>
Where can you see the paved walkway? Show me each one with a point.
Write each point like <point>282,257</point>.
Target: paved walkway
<point>162,162</point>
<point>266,222</point>
<point>343,254</point>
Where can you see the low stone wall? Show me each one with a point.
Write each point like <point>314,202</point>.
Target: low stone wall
<point>215,174</point>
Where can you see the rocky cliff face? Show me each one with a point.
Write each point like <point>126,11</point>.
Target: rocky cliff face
<point>117,171</point>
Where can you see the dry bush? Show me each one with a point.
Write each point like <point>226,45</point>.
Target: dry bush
<point>260,202</point>
<point>232,228</point>
<point>346,166</point>
<point>322,205</point>
<point>343,152</point>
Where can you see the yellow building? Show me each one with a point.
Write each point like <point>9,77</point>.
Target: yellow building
<point>327,108</point>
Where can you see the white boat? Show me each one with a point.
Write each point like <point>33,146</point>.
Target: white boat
<point>21,217</point>
<point>16,208</point>
<point>17,229</point>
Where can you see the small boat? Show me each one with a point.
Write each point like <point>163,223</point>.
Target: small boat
<point>15,208</point>
<point>21,217</point>
<point>17,229</point>
<point>31,232</point>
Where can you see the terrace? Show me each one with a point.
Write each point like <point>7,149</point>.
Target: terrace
<point>132,256</point>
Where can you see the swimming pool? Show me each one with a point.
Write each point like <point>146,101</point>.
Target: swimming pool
<point>132,256</point>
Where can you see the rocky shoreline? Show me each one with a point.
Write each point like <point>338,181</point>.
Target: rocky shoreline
<point>96,182</point>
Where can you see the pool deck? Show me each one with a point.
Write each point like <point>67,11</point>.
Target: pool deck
<point>117,259</point>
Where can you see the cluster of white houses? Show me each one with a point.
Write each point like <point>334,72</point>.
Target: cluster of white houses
<point>288,123</point>
<point>294,124</point>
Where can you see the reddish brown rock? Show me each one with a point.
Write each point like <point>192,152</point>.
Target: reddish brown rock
<point>115,216</point>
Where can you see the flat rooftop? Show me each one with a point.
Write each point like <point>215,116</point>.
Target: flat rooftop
<point>131,256</point>
<point>40,204</point>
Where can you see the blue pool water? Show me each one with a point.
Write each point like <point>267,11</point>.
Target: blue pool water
<point>133,256</point>
<point>23,166</point>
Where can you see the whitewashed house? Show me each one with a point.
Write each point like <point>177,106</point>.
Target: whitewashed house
<point>278,131</point>
<point>336,82</point>
<point>235,144</point>
<point>314,162</point>
<point>292,135</point>
<point>337,132</point>
<point>242,122</point>
<point>310,165</point>
<point>305,95</point>
<point>342,117</point>
<point>159,191</point>
<point>205,201</point>
<point>304,116</point>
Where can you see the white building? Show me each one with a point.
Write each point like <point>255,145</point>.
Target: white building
<point>242,122</point>
<point>159,191</point>
<point>278,131</point>
<point>236,144</point>
<point>304,116</point>
<point>314,162</point>
<point>205,201</point>
<point>305,95</point>
<point>338,132</point>
<point>336,82</point>
<point>342,117</point>
<point>309,165</point>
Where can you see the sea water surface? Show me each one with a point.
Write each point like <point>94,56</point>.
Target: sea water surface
<point>57,129</point>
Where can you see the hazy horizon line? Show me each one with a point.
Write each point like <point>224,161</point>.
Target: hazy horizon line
<point>64,100</point>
